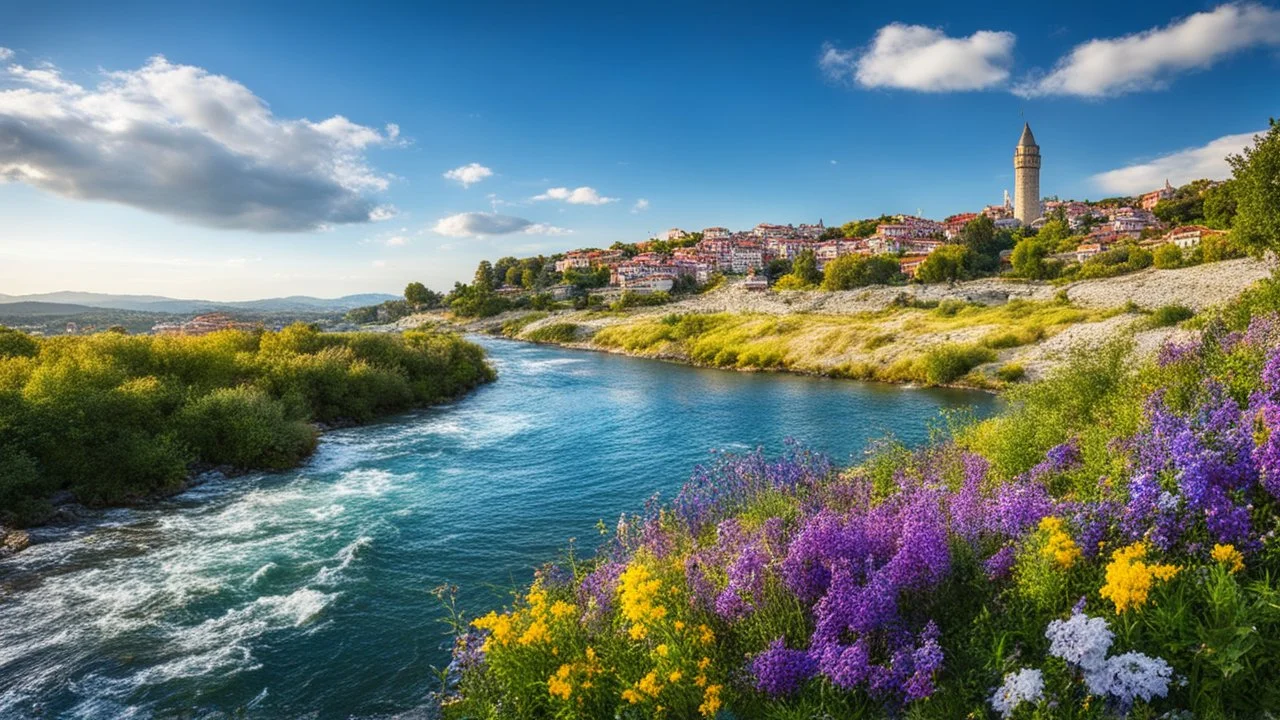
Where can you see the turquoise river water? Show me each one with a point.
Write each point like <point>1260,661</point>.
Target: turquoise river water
<point>307,593</point>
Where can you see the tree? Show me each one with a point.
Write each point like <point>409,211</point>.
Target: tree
<point>863,228</point>
<point>514,276</point>
<point>852,271</point>
<point>805,269</point>
<point>502,268</point>
<point>484,280</point>
<point>528,279</point>
<point>946,264</point>
<point>776,268</point>
<point>417,293</point>
<point>1257,191</point>
<point>1220,205</point>
<point>1030,259</point>
<point>1053,233</point>
<point>979,235</point>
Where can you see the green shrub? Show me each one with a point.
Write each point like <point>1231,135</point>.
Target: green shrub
<point>1011,372</point>
<point>244,427</point>
<point>554,333</point>
<point>1168,256</point>
<point>1170,315</point>
<point>949,363</point>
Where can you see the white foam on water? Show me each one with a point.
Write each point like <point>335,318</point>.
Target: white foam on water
<point>326,513</point>
<point>345,557</point>
<point>365,482</point>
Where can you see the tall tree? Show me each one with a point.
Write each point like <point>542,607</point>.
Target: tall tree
<point>484,280</point>
<point>1257,192</point>
<point>417,294</point>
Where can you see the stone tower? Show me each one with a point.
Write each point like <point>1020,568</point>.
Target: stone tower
<point>1026,178</point>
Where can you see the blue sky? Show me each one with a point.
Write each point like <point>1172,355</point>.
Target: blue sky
<point>219,170</point>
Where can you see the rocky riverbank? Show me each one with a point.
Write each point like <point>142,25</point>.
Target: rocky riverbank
<point>1006,330</point>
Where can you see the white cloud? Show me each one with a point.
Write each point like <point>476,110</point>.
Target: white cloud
<point>5,53</point>
<point>577,196</point>
<point>469,174</point>
<point>640,206</point>
<point>835,162</point>
<point>1207,161</point>
<point>396,241</point>
<point>180,141</point>
<point>383,212</point>
<point>478,224</point>
<point>1148,60</point>
<point>915,57</point>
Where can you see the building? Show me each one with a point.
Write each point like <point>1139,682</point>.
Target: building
<point>1084,251</point>
<point>715,233</point>
<point>910,264</point>
<point>673,234</point>
<point>954,225</point>
<point>1189,236</point>
<point>1153,198</point>
<point>1026,178</point>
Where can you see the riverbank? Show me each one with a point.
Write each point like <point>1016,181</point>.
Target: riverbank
<point>116,420</point>
<point>982,334</point>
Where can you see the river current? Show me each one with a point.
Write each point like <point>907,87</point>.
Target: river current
<point>308,593</point>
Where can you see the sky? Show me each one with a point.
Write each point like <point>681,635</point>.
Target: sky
<point>234,151</point>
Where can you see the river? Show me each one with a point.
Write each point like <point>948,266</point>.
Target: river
<point>307,593</point>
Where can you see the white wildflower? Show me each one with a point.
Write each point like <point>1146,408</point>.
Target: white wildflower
<point>1026,685</point>
<point>1082,641</point>
<point>1129,677</point>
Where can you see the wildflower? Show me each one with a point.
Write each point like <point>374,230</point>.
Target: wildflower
<point>746,583</point>
<point>1081,640</point>
<point>662,650</point>
<point>562,609</point>
<point>638,598</point>
<point>649,684</point>
<point>779,671</point>
<point>499,627</point>
<point>1026,685</point>
<point>710,701</point>
<point>704,663</point>
<point>631,696</point>
<point>706,635</point>
<point>1129,577</point>
<point>1000,564</point>
<point>537,632</point>
<point>674,676</point>
<point>1228,555</point>
<point>1058,545</point>
<point>1129,677</point>
<point>559,685</point>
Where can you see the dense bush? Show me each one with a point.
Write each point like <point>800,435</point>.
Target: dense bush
<point>554,333</point>
<point>113,417</point>
<point>1105,548</point>
<point>948,363</point>
<point>1167,315</point>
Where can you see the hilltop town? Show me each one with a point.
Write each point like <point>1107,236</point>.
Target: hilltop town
<point>1026,237</point>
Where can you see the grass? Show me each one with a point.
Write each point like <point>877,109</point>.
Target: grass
<point>936,343</point>
<point>1170,315</point>
<point>554,333</point>
<point>511,328</point>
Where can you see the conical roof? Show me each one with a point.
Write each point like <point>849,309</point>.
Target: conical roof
<point>1027,138</point>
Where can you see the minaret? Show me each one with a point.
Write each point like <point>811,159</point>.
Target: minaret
<point>1026,178</point>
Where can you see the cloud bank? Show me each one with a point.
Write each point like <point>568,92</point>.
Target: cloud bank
<point>182,142</point>
<point>578,196</point>
<point>469,174</point>
<point>915,57</point>
<point>479,224</point>
<point>1147,60</point>
<point>1207,161</point>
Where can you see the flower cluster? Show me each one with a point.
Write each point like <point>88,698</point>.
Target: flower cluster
<point>1130,577</point>
<point>1058,545</point>
<point>1023,686</point>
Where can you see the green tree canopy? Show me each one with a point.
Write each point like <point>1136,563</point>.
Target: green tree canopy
<point>1257,192</point>
<point>946,264</point>
<point>853,271</point>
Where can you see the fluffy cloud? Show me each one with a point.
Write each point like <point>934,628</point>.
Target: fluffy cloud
<point>383,212</point>
<point>5,53</point>
<point>477,224</point>
<point>914,57</point>
<point>577,196</point>
<point>1208,161</point>
<point>640,206</point>
<point>1148,59</point>
<point>179,141</point>
<point>469,174</point>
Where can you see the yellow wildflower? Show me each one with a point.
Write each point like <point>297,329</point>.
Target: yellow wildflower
<point>700,680</point>
<point>1129,577</point>
<point>707,636</point>
<point>559,685</point>
<point>662,650</point>
<point>703,663</point>
<point>638,595</point>
<point>710,701</point>
<point>674,676</point>
<point>562,609</point>
<point>631,696</point>
<point>537,597</point>
<point>1058,545</point>
<point>649,684</point>
<point>1228,555</point>
<point>499,626</point>
<point>638,632</point>
<point>679,624</point>
<point>536,632</point>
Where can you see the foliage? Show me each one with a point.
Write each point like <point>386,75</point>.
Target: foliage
<point>948,263</point>
<point>630,299</point>
<point>947,363</point>
<point>1167,256</point>
<point>1256,189</point>
<point>853,271</point>
<point>554,333</point>
<point>113,417</point>
<point>417,295</point>
<point>1167,315</point>
<point>804,273</point>
<point>1030,259</point>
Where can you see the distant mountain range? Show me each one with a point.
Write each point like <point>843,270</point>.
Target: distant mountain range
<point>79,301</point>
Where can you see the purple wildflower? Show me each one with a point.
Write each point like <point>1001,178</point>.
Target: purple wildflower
<point>779,671</point>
